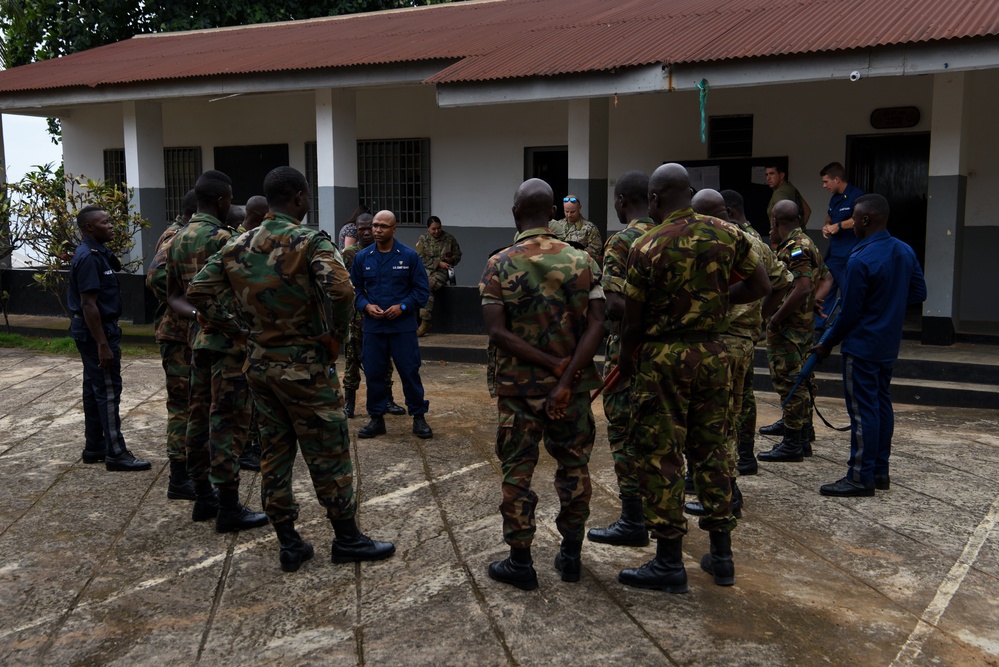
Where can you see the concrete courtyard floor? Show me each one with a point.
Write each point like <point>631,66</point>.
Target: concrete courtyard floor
<point>100,568</point>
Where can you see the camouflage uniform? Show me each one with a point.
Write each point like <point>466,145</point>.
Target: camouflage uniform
<point>746,322</point>
<point>582,232</point>
<point>175,350</point>
<point>545,287</point>
<point>352,355</point>
<point>276,276</point>
<point>432,252</point>
<point>681,271</point>
<point>788,347</point>
<point>617,399</point>
<point>219,397</point>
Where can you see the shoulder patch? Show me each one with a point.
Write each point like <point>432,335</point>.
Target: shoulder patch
<point>796,253</point>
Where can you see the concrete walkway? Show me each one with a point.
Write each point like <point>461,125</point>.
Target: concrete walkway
<point>100,568</point>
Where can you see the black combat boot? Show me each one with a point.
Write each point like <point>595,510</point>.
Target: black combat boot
<point>294,550</point>
<point>747,464</point>
<point>233,516</point>
<point>349,398</point>
<point>517,570</point>
<point>374,427</point>
<point>180,486</point>
<point>688,484</point>
<point>206,501</point>
<point>350,544</point>
<point>787,450</point>
<point>125,462</point>
<point>665,572</point>
<point>250,458</point>
<point>421,429</point>
<point>628,531</point>
<point>718,562</point>
<point>808,436</point>
<point>777,428</point>
<point>695,507</point>
<point>392,407</point>
<point>569,561</point>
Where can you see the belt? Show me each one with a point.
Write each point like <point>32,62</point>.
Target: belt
<point>681,337</point>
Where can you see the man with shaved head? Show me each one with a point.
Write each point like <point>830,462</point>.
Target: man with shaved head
<point>631,202</point>
<point>790,330</point>
<point>683,276</point>
<point>543,308</point>
<point>391,287</point>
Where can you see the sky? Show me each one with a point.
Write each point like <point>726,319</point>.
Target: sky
<point>26,144</point>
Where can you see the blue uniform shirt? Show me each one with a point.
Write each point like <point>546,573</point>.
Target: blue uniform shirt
<point>386,279</point>
<point>882,278</point>
<point>840,209</point>
<point>93,270</point>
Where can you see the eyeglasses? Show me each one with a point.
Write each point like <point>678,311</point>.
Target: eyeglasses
<point>570,200</point>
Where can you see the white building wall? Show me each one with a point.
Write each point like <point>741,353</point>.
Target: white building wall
<point>86,133</point>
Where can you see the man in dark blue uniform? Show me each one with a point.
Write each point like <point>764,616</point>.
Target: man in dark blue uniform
<point>882,278</point>
<point>391,287</point>
<point>94,300</point>
<point>838,227</point>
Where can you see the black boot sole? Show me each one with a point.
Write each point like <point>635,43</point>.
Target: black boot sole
<point>305,554</point>
<point>522,584</point>
<point>175,493</point>
<point>568,574</point>
<point>676,589</point>
<point>636,541</point>
<point>728,580</point>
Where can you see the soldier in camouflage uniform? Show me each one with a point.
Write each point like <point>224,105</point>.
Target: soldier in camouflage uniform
<point>677,299</point>
<point>352,366</point>
<point>275,276</point>
<point>219,397</point>
<point>574,228</point>
<point>789,330</point>
<point>745,322</point>
<point>631,201</point>
<point>439,252</point>
<point>544,309</point>
<point>175,352</point>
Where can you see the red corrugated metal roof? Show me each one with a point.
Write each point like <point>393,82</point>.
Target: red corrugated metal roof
<point>502,39</point>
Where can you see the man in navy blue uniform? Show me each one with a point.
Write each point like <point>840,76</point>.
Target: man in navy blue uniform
<point>882,278</point>
<point>391,287</point>
<point>839,224</point>
<point>94,300</point>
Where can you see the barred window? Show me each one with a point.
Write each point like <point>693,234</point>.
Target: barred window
<point>730,136</point>
<point>394,174</point>
<point>312,177</point>
<point>114,166</point>
<point>181,168</point>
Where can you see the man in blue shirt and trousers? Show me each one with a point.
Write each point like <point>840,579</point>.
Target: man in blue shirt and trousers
<point>839,226</point>
<point>882,278</point>
<point>94,300</point>
<point>391,287</point>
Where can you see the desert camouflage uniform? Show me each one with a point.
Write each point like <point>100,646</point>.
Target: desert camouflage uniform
<point>582,232</point>
<point>746,322</point>
<point>617,398</point>
<point>681,271</point>
<point>545,287</point>
<point>277,276</point>
<point>219,409</point>
<point>352,355</point>
<point>787,348</point>
<point>175,350</point>
<point>432,252</point>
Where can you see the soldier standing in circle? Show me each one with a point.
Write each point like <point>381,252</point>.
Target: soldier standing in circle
<point>682,277</point>
<point>276,276</point>
<point>94,299</point>
<point>175,352</point>
<point>789,333</point>
<point>439,251</point>
<point>544,310</point>
<point>391,286</point>
<point>352,365</point>
<point>631,201</point>
<point>218,424</point>
<point>574,228</point>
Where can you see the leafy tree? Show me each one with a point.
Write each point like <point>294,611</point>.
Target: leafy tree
<point>42,210</point>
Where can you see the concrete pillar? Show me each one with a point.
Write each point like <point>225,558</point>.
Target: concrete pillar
<point>143,129</point>
<point>947,190</point>
<point>336,157</point>
<point>588,155</point>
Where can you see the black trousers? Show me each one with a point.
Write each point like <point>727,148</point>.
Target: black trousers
<point>101,389</point>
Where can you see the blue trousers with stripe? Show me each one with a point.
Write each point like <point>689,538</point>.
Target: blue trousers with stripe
<point>101,389</point>
<point>403,348</point>
<point>872,419</point>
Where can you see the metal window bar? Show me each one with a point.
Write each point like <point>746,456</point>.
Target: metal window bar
<point>395,175</point>
<point>312,176</point>
<point>181,168</point>
<point>114,166</point>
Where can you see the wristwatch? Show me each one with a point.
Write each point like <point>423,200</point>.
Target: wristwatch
<point>403,306</point>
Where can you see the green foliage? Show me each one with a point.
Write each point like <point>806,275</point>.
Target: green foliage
<point>42,209</point>
<point>65,345</point>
